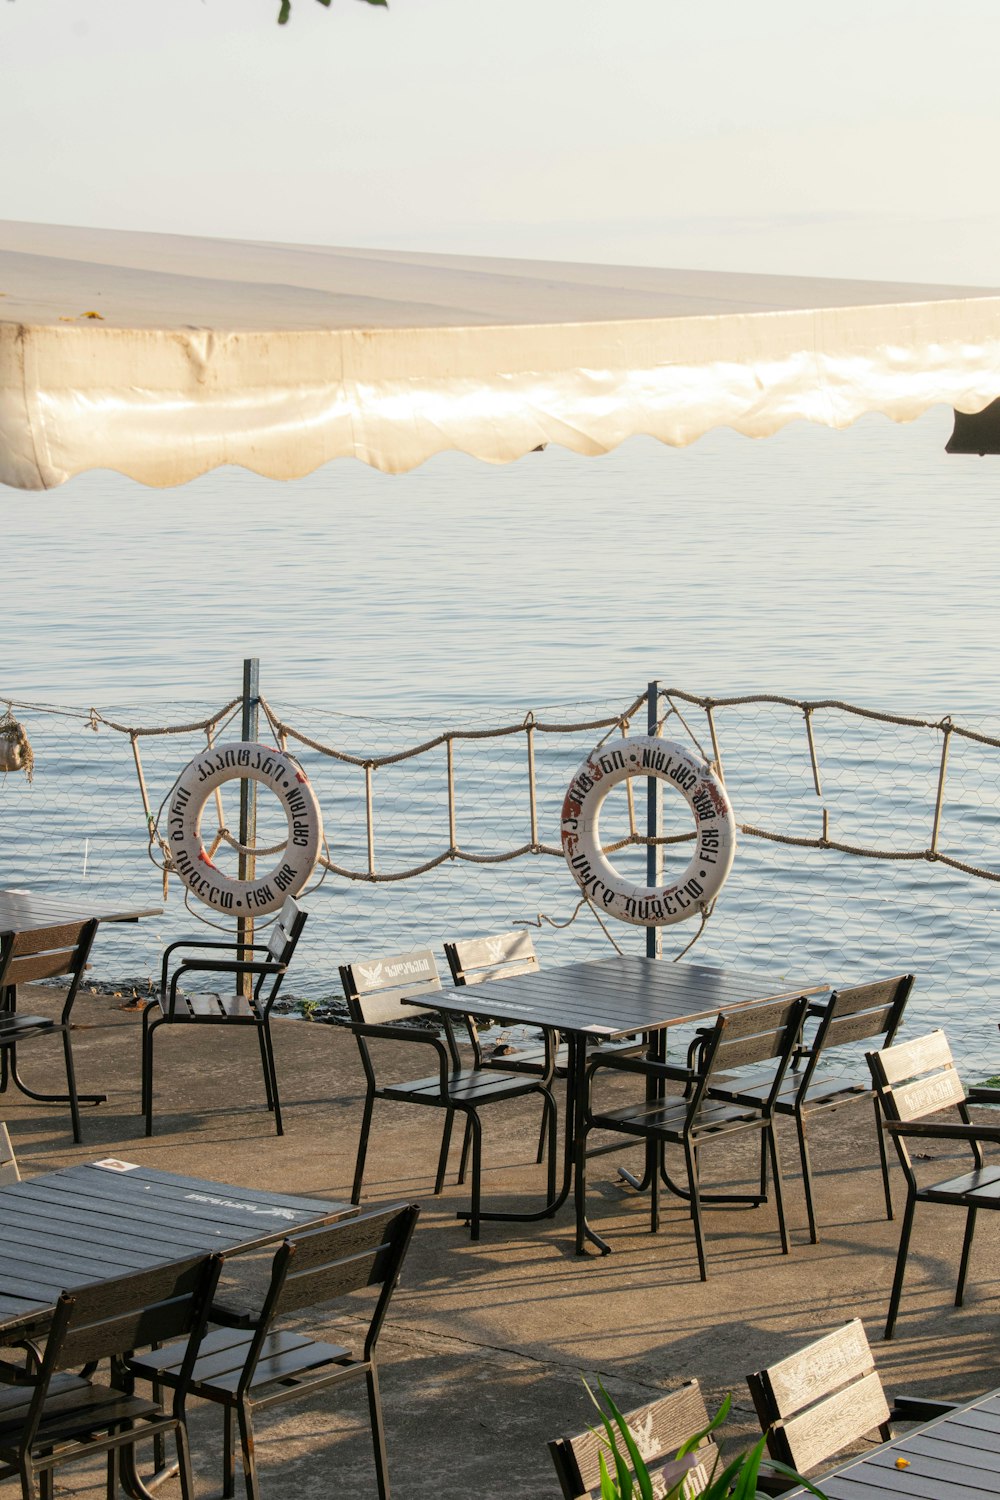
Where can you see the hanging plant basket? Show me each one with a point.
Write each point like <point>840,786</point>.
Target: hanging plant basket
<point>16,753</point>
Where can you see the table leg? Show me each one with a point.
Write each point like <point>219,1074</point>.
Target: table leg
<point>578,1072</point>
<point>10,1070</point>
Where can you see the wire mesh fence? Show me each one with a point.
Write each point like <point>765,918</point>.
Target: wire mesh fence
<point>481,808</point>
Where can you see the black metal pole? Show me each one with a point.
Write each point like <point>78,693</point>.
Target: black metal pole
<point>248,804</point>
<point>654,823</point>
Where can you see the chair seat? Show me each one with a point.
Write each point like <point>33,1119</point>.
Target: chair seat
<point>667,1118</point>
<point>978,1189</point>
<point>13,1028</point>
<point>209,1007</point>
<point>223,1353</point>
<point>474,1086</point>
<point>74,1407</point>
<point>826,1090</point>
<point>532,1059</point>
<point>529,1060</point>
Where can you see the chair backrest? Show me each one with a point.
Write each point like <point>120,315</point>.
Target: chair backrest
<point>47,953</point>
<point>322,1264</point>
<point>377,988</point>
<point>130,1312</point>
<point>282,940</point>
<point>659,1430</point>
<point>8,1161</point>
<point>915,1079</point>
<point>865,1010</point>
<point>852,1015</point>
<point>821,1399</point>
<point>751,1034</point>
<point>475,960</point>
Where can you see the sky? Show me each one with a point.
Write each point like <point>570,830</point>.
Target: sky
<point>849,140</point>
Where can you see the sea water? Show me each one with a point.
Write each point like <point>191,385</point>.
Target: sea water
<point>857,565</point>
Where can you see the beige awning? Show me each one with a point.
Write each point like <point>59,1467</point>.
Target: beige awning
<point>283,357</point>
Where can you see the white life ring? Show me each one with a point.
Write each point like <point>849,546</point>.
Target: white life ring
<point>275,769</point>
<point>700,883</point>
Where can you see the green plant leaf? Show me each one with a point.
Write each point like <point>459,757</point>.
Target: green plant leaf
<point>719,1488</point>
<point>623,1489</point>
<point>609,1490</point>
<point>638,1462</point>
<point>717,1421</point>
<point>746,1485</point>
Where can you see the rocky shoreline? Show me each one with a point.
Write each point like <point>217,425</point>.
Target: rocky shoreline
<point>135,990</point>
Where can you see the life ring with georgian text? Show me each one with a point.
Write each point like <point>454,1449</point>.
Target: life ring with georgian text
<point>281,774</point>
<point>715,833</point>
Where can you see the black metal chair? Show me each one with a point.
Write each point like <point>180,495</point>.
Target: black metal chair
<point>376,991</point>
<point>765,1033</point>
<point>659,1430</point>
<point>26,957</point>
<point>823,1399</point>
<point>914,1080</point>
<point>246,1372</point>
<point>808,1088</point>
<point>50,1417</point>
<point>478,960</point>
<point>173,1008</point>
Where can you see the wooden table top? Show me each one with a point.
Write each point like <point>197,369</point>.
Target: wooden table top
<point>86,1224</point>
<point>27,911</point>
<point>956,1457</point>
<point>615,997</point>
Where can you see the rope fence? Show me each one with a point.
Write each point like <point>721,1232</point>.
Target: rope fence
<point>869,839</point>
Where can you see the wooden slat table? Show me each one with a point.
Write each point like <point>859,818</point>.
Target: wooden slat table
<point>605,1000</point>
<point>956,1457</point>
<point>87,1224</point>
<point>26,911</point>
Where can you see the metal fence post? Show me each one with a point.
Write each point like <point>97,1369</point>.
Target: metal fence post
<point>654,824</point>
<point>248,806</point>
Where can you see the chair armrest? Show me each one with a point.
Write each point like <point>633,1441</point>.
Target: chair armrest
<point>919,1409</point>
<point>231,1317</point>
<point>983,1095</point>
<point>403,1034</point>
<point>230,946</point>
<point>623,1063</point>
<point>229,966</point>
<point>945,1131</point>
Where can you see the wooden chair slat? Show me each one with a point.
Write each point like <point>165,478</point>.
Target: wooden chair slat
<point>476,960</point>
<point>761,1018</point>
<point>39,966</point>
<point>909,1059</point>
<point>832,1424</point>
<point>925,1096</point>
<point>878,995</point>
<point>400,973</point>
<point>824,1366</point>
<point>47,939</point>
<point>857,1026</point>
<point>340,1242</point>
